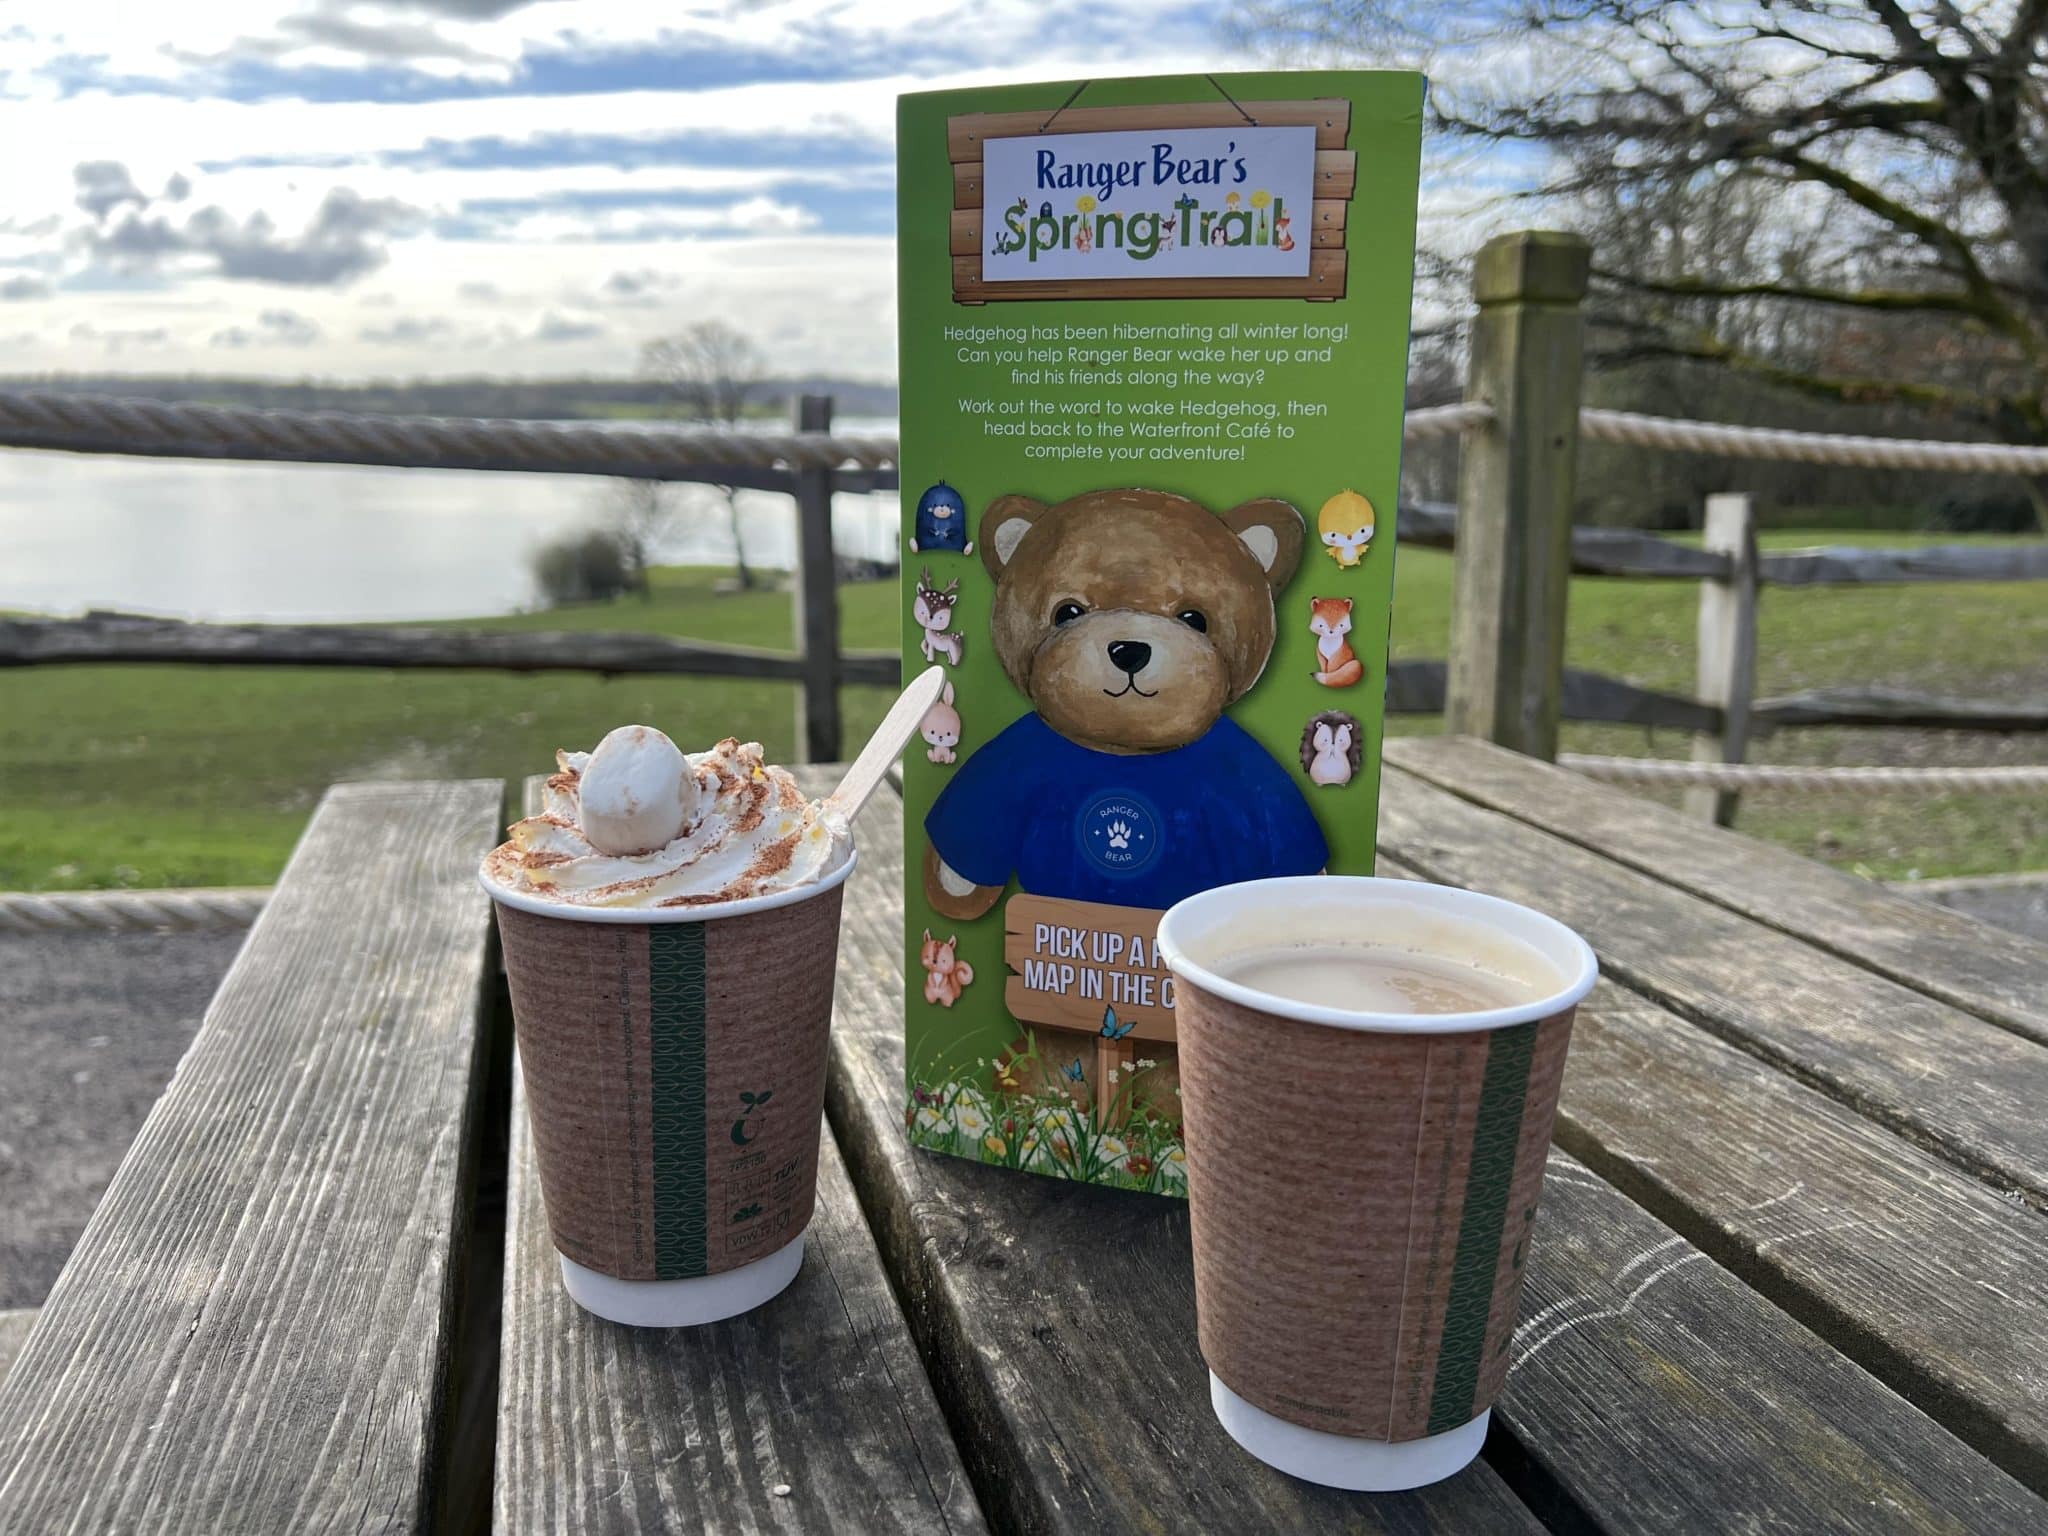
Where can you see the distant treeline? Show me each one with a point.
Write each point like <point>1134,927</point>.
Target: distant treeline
<point>519,399</point>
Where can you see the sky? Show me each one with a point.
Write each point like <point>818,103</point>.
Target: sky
<point>529,187</point>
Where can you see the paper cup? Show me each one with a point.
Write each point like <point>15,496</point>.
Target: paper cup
<point>674,1061</point>
<point>1362,1186</point>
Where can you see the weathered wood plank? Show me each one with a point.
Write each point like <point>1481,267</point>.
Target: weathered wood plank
<point>1656,1392</point>
<point>1515,492</point>
<point>1942,1077</point>
<point>811,1414</point>
<point>1058,1319</point>
<point>817,599</point>
<point>967,134</point>
<point>1726,674</point>
<point>1417,688</point>
<point>1594,551</point>
<point>253,1332</point>
<point>2023,560</point>
<point>1987,971</point>
<point>99,638</point>
<point>1919,1272</point>
<point>14,1327</point>
<point>1892,708</point>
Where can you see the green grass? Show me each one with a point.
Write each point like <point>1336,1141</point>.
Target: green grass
<point>204,776</point>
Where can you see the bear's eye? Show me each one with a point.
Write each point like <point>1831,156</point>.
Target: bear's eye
<point>1066,613</point>
<point>1195,619</point>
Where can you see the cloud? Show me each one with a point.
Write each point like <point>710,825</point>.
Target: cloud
<point>101,186</point>
<point>274,328</point>
<point>344,240</point>
<point>15,286</point>
<point>638,288</point>
<point>555,329</point>
<point>407,331</point>
<point>178,188</point>
<point>114,340</point>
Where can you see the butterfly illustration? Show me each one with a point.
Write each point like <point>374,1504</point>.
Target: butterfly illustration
<point>1111,1029</point>
<point>1073,1074</point>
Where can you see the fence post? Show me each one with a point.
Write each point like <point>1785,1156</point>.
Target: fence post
<point>817,597</point>
<point>1727,648</point>
<point>1515,484</point>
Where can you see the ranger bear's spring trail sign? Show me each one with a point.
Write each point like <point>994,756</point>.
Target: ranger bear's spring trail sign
<point>1221,198</point>
<point>1151,541</point>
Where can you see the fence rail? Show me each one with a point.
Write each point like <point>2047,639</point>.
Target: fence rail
<point>1505,677</point>
<point>128,637</point>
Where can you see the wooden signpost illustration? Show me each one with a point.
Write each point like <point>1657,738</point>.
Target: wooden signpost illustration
<point>1152,202</point>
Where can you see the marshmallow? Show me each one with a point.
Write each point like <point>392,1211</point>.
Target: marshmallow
<point>636,792</point>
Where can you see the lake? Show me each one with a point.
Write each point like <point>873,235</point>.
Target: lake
<point>208,540</point>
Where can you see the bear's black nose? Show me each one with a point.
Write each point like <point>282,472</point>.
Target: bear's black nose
<point>1129,655</point>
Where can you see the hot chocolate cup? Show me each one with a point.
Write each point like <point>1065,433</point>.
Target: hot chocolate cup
<point>674,1062</point>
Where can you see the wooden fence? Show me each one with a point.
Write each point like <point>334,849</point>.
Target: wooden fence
<point>807,467</point>
<point>1517,548</point>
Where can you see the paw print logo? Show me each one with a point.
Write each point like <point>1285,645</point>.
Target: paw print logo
<point>1119,834</point>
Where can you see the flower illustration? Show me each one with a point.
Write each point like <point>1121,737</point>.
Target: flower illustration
<point>995,1145</point>
<point>1086,204</point>
<point>1113,1149</point>
<point>1233,199</point>
<point>1261,197</point>
<point>969,1120</point>
<point>1138,1166</point>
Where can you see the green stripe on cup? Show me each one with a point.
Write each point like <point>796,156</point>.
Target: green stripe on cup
<point>1495,1138</point>
<point>682,1222</point>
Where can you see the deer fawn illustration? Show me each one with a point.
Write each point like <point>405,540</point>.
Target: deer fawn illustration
<point>933,610</point>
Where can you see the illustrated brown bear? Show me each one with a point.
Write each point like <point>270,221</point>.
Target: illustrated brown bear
<point>1130,619</point>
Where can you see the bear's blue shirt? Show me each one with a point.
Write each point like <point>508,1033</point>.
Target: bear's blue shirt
<point>1138,830</point>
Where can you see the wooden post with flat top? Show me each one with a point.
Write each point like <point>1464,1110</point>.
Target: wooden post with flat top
<point>1515,492</point>
<point>1727,648</point>
<point>817,598</point>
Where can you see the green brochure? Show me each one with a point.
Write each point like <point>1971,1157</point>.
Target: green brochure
<point>1154,344</point>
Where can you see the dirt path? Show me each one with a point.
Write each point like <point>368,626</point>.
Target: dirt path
<point>91,1026</point>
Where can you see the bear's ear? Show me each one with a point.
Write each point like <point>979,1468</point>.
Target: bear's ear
<point>1003,527</point>
<point>1271,529</point>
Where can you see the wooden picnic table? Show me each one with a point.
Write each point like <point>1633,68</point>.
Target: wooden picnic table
<point>1789,1273</point>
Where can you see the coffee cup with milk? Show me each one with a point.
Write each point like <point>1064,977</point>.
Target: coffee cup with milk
<point>1370,1070</point>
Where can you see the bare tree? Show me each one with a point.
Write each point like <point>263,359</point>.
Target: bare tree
<point>713,371</point>
<point>642,516</point>
<point>1843,198</point>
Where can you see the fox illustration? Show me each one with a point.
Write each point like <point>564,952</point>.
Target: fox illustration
<point>945,977</point>
<point>1330,618</point>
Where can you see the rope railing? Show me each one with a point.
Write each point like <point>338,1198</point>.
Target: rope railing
<point>1677,436</point>
<point>2019,780</point>
<point>108,424</point>
<point>189,910</point>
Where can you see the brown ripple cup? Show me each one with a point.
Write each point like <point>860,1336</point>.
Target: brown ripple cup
<point>1363,1185</point>
<point>674,1062</point>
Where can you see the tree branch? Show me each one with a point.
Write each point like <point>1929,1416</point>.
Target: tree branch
<point>1893,300</point>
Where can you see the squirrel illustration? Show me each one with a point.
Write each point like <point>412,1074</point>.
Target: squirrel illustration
<point>933,610</point>
<point>1283,236</point>
<point>941,728</point>
<point>945,976</point>
<point>1337,666</point>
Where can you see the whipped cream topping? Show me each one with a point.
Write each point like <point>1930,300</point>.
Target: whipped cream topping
<point>747,830</point>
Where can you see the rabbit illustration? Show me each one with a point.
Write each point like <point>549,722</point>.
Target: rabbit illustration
<point>941,727</point>
<point>945,976</point>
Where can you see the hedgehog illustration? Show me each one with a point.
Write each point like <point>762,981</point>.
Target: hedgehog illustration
<point>1332,747</point>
